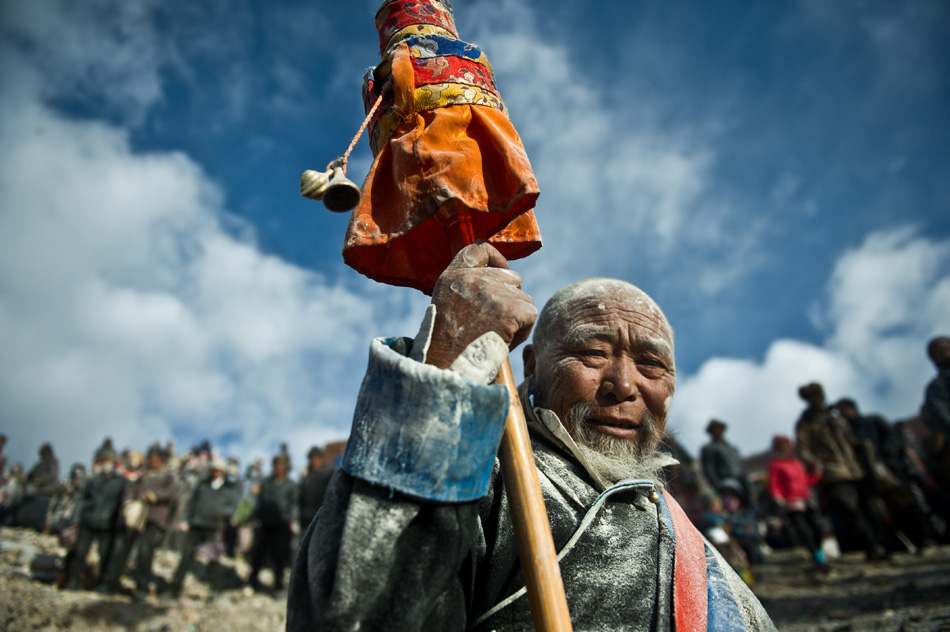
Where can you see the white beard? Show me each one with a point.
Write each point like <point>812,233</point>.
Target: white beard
<point>612,458</point>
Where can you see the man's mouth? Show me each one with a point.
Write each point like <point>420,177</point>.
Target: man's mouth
<point>623,428</point>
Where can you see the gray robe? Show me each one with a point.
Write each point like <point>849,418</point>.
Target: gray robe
<point>394,548</point>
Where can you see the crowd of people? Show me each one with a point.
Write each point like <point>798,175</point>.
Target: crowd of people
<point>856,479</point>
<point>130,503</point>
<point>872,485</point>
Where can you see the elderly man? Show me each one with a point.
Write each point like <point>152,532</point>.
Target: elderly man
<point>415,533</point>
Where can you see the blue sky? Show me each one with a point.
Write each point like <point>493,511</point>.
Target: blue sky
<point>774,174</point>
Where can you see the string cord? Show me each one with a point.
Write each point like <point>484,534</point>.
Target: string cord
<point>346,156</point>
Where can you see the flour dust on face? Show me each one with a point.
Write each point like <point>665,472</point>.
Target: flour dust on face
<point>608,345</point>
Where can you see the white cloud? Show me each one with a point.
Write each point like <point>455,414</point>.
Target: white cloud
<point>884,300</point>
<point>889,287</point>
<point>83,47</point>
<point>756,399</point>
<point>128,309</point>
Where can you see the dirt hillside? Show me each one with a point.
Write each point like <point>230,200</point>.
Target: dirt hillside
<point>909,593</point>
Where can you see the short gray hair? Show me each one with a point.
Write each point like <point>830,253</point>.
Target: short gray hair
<point>553,314</point>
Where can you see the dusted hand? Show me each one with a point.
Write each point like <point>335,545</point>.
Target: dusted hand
<point>476,294</point>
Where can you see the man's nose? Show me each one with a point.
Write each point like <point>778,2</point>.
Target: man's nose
<point>619,380</point>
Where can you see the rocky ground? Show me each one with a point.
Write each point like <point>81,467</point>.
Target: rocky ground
<point>28,601</point>
<point>909,593</point>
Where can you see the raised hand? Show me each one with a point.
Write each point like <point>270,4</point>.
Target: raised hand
<point>476,294</point>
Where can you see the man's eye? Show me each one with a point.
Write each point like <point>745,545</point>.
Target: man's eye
<point>651,363</point>
<point>594,353</point>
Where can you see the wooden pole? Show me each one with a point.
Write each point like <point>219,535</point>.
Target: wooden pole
<point>535,544</point>
<point>530,519</point>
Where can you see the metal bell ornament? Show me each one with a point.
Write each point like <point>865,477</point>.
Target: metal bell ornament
<point>314,183</point>
<point>342,194</point>
<point>339,193</point>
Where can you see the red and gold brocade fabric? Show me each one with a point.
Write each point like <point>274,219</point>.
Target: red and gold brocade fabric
<point>443,144</point>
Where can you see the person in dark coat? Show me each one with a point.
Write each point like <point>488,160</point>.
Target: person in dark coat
<point>826,443</point>
<point>42,483</point>
<point>313,487</point>
<point>882,451</point>
<point>98,515</point>
<point>277,516</point>
<point>875,440</point>
<point>936,408</point>
<point>937,396</point>
<point>44,476</point>
<point>721,461</point>
<point>64,506</point>
<point>157,488</point>
<point>3,457</point>
<point>205,516</point>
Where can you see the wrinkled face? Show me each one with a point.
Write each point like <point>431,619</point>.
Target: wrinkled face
<point>614,352</point>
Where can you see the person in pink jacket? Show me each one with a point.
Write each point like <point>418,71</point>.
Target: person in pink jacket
<point>790,489</point>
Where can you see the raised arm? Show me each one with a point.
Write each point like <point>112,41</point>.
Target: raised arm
<point>400,521</point>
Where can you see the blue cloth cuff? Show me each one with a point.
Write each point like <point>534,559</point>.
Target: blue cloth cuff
<point>424,431</point>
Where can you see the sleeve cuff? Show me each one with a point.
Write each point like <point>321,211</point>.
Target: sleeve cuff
<point>424,431</point>
<point>480,360</point>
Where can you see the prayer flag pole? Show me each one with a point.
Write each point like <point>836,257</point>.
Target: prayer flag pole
<point>448,169</point>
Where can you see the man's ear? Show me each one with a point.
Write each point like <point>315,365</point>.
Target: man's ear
<point>529,355</point>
